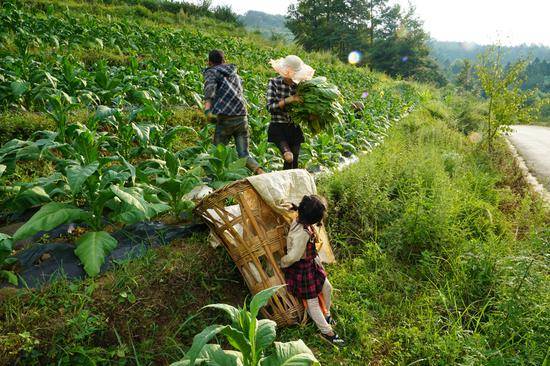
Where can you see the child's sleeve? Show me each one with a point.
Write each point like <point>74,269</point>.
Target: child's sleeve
<point>296,241</point>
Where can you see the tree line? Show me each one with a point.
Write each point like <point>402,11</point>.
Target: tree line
<point>391,39</point>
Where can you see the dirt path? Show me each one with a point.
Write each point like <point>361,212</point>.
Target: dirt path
<point>533,144</point>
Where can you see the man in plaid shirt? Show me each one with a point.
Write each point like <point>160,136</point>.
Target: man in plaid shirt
<point>223,94</point>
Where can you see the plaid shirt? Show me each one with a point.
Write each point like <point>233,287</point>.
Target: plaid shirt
<point>223,87</point>
<point>277,89</point>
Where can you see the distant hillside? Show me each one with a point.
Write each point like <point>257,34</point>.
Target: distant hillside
<point>267,24</point>
<point>446,53</point>
<point>449,52</point>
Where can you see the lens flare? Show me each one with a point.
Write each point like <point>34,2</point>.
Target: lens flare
<point>468,46</point>
<point>354,57</point>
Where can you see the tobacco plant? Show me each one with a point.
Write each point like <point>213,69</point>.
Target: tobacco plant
<point>251,338</point>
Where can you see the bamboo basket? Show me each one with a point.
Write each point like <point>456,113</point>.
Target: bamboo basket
<point>255,237</point>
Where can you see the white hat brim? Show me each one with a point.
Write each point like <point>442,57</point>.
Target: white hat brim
<point>305,72</point>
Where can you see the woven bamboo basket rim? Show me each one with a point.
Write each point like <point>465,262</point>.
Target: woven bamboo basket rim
<point>284,308</point>
<point>216,196</point>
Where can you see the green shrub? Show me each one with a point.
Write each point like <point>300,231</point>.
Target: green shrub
<point>439,253</point>
<point>437,109</point>
<point>402,196</point>
<point>22,125</point>
<point>467,111</point>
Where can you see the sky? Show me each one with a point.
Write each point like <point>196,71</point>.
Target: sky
<point>479,21</point>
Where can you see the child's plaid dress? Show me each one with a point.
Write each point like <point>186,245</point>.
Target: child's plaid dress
<point>305,278</point>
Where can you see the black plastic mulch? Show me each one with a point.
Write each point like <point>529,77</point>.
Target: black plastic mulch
<point>133,242</point>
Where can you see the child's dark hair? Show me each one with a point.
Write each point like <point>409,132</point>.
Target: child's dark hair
<point>311,210</point>
<point>216,57</point>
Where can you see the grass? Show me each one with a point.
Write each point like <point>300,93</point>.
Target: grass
<point>442,259</point>
<point>442,255</point>
<point>139,314</point>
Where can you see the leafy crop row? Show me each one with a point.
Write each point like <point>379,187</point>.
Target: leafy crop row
<point>127,163</point>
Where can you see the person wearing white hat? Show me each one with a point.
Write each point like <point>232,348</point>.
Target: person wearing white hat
<point>281,92</point>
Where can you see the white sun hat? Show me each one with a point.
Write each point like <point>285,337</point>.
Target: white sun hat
<point>293,67</point>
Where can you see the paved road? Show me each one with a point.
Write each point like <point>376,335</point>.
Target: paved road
<point>533,144</point>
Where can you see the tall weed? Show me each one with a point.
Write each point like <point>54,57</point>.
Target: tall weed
<point>442,252</point>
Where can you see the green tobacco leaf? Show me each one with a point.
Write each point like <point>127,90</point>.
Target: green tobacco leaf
<point>261,298</point>
<point>2,169</point>
<point>30,152</point>
<point>294,353</point>
<point>130,167</point>
<point>172,163</point>
<point>10,276</point>
<point>103,112</point>
<point>265,334</point>
<point>198,100</point>
<point>129,199</point>
<point>18,88</point>
<point>237,339</point>
<point>238,165</point>
<point>172,186</point>
<point>216,356</point>
<point>11,146</point>
<point>6,243</point>
<point>232,311</point>
<point>92,248</point>
<point>136,208</point>
<point>130,217</point>
<point>201,339</point>
<point>142,131</point>
<point>172,133</point>
<point>31,197</point>
<point>77,175</point>
<point>50,216</point>
<point>154,209</point>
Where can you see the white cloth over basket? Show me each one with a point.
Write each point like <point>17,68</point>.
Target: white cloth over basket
<point>277,189</point>
<point>280,188</point>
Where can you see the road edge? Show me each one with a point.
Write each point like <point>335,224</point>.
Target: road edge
<point>531,180</point>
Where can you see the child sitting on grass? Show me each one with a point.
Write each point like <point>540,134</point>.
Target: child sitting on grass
<point>305,276</point>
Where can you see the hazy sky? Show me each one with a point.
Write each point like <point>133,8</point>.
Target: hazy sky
<point>480,21</point>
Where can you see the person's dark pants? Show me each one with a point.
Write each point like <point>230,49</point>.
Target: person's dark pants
<point>237,127</point>
<point>287,137</point>
<point>294,149</point>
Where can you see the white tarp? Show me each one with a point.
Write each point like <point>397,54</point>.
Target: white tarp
<point>279,188</point>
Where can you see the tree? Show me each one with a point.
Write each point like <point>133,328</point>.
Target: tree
<point>507,102</point>
<point>393,40</point>
<point>404,51</point>
<point>335,25</point>
<point>465,78</point>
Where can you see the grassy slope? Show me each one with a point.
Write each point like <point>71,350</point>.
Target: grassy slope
<point>135,314</point>
<point>442,254</point>
<point>441,261</point>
